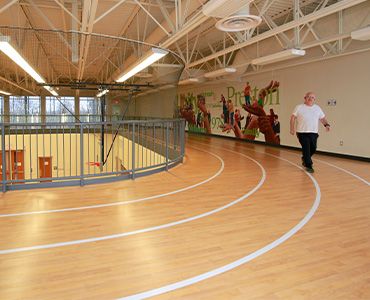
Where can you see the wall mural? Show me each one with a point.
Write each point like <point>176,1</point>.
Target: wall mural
<point>240,114</point>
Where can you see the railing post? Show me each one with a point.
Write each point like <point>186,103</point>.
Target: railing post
<point>175,131</point>
<point>81,155</point>
<point>133,151</point>
<point>182,139</point>
<point>3,157</point>
<point>167,145</point>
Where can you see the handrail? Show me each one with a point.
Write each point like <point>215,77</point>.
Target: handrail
<point>90,123</point>
<point>50,154</point>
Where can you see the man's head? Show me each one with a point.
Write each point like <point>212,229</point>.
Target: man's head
<point>309,98</point>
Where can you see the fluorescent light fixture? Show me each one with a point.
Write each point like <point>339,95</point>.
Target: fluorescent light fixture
<point>279,56</point>
<point>13,54</point>
<point>18,59</point>
<point>51,90</point>
<point>102,93</point>
<point>5,93</point>
<point>188,81</point>
<point>152,56</point>
<point>219,72</point>
<point>54,93</point>
<point>362,34</point>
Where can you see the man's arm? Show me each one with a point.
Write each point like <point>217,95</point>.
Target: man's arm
<point>325,123</point>
<point>292,124</point>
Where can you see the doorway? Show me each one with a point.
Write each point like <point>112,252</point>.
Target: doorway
<point>45,171</point>
<point>14,160</point>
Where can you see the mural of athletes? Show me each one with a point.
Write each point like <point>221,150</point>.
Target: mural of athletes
<point>251,113</point>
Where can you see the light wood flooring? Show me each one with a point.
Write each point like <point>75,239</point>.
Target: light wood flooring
<point>226,202</point>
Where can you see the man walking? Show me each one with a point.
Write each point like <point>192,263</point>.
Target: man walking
<point>307,117</point>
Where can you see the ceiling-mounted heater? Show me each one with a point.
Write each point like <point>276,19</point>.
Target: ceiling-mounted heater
<point>234,14</point>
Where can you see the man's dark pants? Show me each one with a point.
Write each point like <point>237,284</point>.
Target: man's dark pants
<point>308,141</point>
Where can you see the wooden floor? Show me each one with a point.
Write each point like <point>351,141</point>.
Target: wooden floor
<point>234,221</point>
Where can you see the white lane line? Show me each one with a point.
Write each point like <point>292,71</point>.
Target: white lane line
<point>344,170</point>
<point>251,256</point>
<point>220,170</point>
<point>241,261</point>
<point>167,225</point>
<point>322,161</point>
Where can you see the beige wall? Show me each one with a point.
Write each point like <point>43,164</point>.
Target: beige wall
<point>160,104</point>
<point>35,146</point>
<point>143,156</point>
<point>345,79</point>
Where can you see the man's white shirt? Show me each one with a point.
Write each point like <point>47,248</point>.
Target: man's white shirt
<point>308,117</point>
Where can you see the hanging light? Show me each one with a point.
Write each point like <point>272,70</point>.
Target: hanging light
<point>152,56</point>
<point>14,55</point>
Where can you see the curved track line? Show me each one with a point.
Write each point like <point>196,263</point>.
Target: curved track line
<point>220,170</point>
<point>243,260</point>
<point>253,255</point>
<point>149,229</point>
<point>322,161</point>
<point>344,170</point>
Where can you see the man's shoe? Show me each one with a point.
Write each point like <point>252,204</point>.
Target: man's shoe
<point>303,164</point>
<point>310,170</point>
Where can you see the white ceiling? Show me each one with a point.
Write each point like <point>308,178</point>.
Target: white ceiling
<point>322,28</point>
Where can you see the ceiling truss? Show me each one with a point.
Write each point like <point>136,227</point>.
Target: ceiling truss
<point>176,25</point>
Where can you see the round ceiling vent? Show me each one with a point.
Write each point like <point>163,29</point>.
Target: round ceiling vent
<point>238,23</point>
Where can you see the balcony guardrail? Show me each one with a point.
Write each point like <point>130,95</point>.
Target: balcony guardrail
<point>70,153</point>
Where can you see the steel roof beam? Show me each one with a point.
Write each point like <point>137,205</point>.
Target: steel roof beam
<point>308,18</point>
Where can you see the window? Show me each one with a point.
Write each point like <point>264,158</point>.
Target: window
<point>60,110</point>
<point>33,106</point>
<point>17,106</point>
<point>90,110</point>
<point>24,109</point>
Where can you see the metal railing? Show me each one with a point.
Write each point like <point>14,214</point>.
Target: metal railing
<point>62,118</point>
<point>55,154</point>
